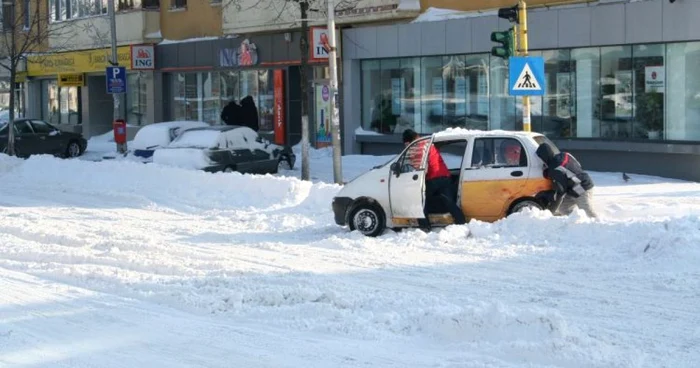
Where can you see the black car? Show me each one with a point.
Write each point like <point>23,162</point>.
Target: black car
<point>225,148</point>
<point>36,137</point>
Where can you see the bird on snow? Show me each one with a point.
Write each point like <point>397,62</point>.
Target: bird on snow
<point>625,177</point>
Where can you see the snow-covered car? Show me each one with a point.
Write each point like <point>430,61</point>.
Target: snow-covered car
<point>495,173</point>
<point>154,136</point>
<point>225,148</point>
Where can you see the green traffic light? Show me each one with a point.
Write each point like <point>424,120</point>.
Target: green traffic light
<point>505,38</point>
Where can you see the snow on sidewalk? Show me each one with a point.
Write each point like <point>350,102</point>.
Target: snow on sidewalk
<point>123,264</point>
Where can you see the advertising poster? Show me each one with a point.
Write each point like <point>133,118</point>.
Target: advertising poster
<point>323,118</point>
<point>279,117</point>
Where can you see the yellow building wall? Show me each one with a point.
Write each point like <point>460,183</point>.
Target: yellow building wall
<point>36,10</point>
<point>199,19</point>
<point>490,4</point>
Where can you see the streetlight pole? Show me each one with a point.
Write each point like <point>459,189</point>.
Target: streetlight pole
<point>335,113</point>
<point>121,148</point>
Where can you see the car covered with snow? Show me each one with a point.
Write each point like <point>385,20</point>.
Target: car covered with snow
<point>494,173</point>
<point>153,136</point>
<point>225,148</point>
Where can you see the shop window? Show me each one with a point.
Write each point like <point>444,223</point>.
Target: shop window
<point>552,114</point>
<point>497,104</point>
<point>649,72</point>
<point>229,87</point>
<point>585,66</point>
<point>211,103</point>
<point>373,103</point>
<point>266,101</point>
<point>432,94</point>
<point>616,84</point>
<point>137,98</point>
<point>682,83</point>
<point>61,105</point>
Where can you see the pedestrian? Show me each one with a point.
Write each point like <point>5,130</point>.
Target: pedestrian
<point>231,113</point>
<point>249,113</point>
<point>438,180</point>
<point>572,185</point>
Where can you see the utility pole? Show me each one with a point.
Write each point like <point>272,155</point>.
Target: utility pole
<point>335,113</point>
<point>121,148</point>
<point>522,16</point>
<point>304,76</point>
<point>13,71</point>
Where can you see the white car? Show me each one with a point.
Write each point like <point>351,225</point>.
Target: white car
<point>494,173</point>
<point>153,136</point>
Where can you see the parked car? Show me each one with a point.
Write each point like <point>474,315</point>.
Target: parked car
<point>225,148</point>
<point>35,137</point>
<point>495,174</point>
<point>153,136</point>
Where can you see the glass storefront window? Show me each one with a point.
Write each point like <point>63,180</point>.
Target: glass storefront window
<point>137,98</point>
<point>683,91</point>
<point>616,84</point>
<point>555,117</point>
<point>649,93</point>
<point>201,96</point>
<point>585,75</point>
<point>266,101</point>
<point>646,91</point>
<point>60,105</point>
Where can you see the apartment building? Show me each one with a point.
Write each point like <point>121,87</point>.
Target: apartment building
<point>622,80</point>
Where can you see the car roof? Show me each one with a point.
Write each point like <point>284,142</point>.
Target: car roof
<point>220,128</point>
<point>456,133</point>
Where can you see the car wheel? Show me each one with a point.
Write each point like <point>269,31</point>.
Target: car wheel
<point>367,218</point>
<point>283,164</point>
<point>527,203</point>
<point>229,169</point>
<point>73,149</point>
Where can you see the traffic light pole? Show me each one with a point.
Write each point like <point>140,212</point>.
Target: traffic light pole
<point>522,9</point>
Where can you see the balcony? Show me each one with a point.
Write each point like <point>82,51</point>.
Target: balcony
<point>137,21</point>
<point>269,15</point>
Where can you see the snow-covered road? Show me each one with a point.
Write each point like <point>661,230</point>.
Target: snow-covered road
<point>114,264</point>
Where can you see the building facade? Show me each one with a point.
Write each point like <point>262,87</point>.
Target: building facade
<point>622,81</point>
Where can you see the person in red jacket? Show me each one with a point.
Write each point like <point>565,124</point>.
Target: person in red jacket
<point>438,180</point>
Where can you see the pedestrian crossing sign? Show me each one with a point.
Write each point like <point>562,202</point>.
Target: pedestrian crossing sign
<point>526,76</point>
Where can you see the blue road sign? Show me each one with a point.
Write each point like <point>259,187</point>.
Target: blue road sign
<point>116,79</point>
<point>526,76</point>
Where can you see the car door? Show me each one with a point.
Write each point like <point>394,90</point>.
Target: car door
<point>48,139</point>
<point>407,181</point>
<point>26,142</point>
<point>494,177</point>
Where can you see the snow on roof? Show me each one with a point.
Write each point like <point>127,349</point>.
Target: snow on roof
<point>461,132</point>
<point>168,42</point>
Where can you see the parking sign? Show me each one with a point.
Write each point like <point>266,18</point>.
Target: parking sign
<point>116,79</point>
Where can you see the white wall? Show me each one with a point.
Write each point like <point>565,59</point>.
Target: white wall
<point>93,32</point>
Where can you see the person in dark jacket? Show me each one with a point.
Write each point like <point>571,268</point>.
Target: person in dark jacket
<point>231,113</point>
<point>249,113</point>
<point>572,185</point>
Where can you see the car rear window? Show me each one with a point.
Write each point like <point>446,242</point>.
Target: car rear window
<point>542,139</point>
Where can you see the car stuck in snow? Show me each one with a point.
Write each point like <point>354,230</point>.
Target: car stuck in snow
<point>494,173</point>
<point>225,148</point>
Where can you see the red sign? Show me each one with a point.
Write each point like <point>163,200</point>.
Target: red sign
<point>279,107</point>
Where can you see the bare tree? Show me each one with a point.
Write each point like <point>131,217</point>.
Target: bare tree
<point>284,12</point>
<point>25,30</point>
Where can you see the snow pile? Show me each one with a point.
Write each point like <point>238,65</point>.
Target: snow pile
<point>257,261</point>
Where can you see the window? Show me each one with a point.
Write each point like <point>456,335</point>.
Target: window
<point>27,9</point>
<point>616,92</point>
<point>554,117</point>
<point>452,153</point>
<point>178,4</point>
<point>41,127</point>
<point>137,98</point>
<point>683,91</point>
<point>585,66</point>
<point>202,96</point>
<point>432,94</point>
<point>648,76</point>
<point>413,157</point>
<point>23,127</point>
<point>498,152</point>
<point>60,10</point>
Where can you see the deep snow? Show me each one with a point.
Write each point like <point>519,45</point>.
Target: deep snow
<point>118,263</point>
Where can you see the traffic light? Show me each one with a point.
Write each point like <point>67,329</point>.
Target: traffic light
<point>511,14</point>
<point>506,39</point>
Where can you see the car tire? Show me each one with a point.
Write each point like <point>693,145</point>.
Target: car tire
<point>229,169</point>
<point>283,164</point>
<point>367,218</point>
<point>523,204</point>
<point>73,149</point>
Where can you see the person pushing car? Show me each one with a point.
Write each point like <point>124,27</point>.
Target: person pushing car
<point>438,183</point>
<point>572,185</point>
